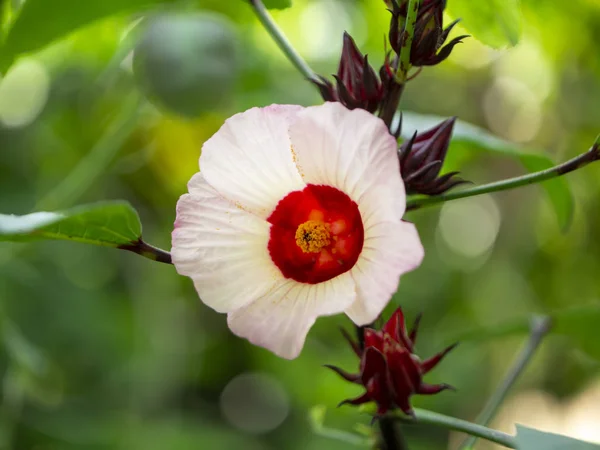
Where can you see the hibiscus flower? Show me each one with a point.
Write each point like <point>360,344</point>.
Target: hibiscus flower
<point>295,214</point>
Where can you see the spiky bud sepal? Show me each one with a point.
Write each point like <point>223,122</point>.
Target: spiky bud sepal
<point>389,370</point>
<point>357,84</point>
<point>422,158</point>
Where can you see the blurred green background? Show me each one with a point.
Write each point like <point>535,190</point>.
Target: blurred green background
<point>101,349</point>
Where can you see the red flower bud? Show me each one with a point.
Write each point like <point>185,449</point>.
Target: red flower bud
<point>422,157</point>
<point>357,84</point>
<point>389,370</point>
<point>429,34</point>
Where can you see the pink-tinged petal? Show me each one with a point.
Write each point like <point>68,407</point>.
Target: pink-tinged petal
<point>249,160</point>
<point>354,152</point>
<point>222,248</point>
<point>280,320</point>
<point>390,250</point>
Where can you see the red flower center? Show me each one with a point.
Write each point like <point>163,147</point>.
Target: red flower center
<point>316,234</point>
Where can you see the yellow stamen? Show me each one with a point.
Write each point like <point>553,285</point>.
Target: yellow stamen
<point>312,236</point>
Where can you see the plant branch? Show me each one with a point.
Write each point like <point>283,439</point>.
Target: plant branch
<point>423,416</point>
<point>391,437</point>
<point>148,251</point>
<point>593,154</point>
<point>286,47</point>
<point>539,327</point>
<point>390,105</point>
<point>407,38</point>
<point>397,84</point>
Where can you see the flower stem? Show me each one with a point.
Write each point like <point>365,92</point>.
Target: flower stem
<point>286,47</point>
<point>391,437</point>
<point>148,251</point>
<point>539,327</point>
<point>429,417</point>
<point>396,89</point>
<point>407,38</point>
<point>593,154</point>
<point>390,105</point>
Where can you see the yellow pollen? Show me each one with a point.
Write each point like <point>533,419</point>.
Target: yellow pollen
<point>312,236</point>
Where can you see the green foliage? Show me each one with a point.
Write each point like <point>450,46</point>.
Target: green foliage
<point>277,4</point>
<point>106,223</point>
<point>131,359</point>
<point>578,323</point>
<point>316,417</point>
<point>40,22</point>
<point>496,23</point>
<point>530,439</point>
<point>186,62</point>
<point>31,373</point>
<point>473,138</point>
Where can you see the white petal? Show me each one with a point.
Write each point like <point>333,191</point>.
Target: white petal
<point>352,151</point>
<point>280,320</point>
<point>390,249</point>
<point>249,160</point>
<point>222,248</point>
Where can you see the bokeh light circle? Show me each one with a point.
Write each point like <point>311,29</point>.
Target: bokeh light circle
<point>254,402</point>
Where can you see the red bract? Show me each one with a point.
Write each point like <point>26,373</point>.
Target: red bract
<point>422,157</point>
<point>357,84</point>
<point>389,370</point>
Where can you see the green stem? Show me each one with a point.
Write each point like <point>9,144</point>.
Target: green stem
<point>391,436</point>
<point>148,251</point>
<point>539,327</point>
<point>432,418</point>
<point>578,162</point>
<point>286,47</point>
<point>392,100</point>
<point>407,38</point>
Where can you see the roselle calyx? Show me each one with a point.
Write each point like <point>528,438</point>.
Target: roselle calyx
<point>427,47</point>
<point>389,370</point>
<point>357,84</point>
<point>422,158</point>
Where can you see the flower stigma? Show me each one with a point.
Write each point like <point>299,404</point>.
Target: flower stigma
<point>313,235</point>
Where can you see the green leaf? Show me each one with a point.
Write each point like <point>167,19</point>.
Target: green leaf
<point>496,23</point>
<point>111,224</point>
<point>530,439</point>
<point>472,138</point>
<point>40,22</point>
<point>277,4</point>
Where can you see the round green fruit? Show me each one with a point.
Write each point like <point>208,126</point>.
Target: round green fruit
<point>185,62</point>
